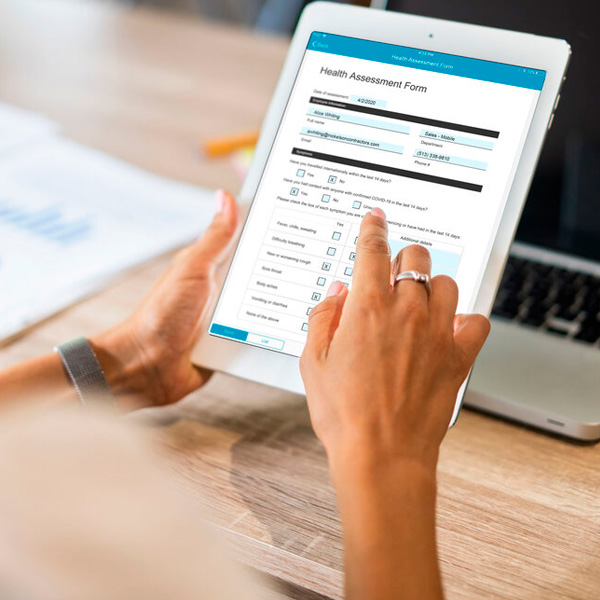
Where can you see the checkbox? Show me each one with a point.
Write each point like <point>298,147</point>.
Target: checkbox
<point>294,192</point>
<point>300,173</point>
<point>352,255</point>
<point>326,266</point>
<point>308,310</point>
<point>348,271</point>
<point>321,281</point>
<point>356,204</point>
<point>304,326</point>
<point>336,235</point>
<point>331,251</point>
<point>325,198</point>
<point>356,240</point>
<point>316,296</point>
<point>332,179</point>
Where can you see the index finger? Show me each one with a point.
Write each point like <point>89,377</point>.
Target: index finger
<point>372,263</point>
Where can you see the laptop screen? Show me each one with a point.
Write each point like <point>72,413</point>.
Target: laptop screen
<point>563,208</point>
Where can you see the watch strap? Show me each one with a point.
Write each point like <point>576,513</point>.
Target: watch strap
<point>85,372</point>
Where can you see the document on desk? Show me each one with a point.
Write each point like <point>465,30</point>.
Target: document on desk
<point>71,218</point>
<point>20,127</point>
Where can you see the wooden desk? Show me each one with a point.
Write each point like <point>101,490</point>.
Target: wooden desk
<point>519,512</point>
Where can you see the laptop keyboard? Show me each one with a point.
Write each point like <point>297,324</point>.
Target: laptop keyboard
<point>550,298</point>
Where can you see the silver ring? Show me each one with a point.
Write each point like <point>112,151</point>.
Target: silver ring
<point>415,276</point>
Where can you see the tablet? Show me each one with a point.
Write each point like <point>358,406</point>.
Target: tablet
<point>440,124</point>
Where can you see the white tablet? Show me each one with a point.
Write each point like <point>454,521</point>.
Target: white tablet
<point>440,124</point>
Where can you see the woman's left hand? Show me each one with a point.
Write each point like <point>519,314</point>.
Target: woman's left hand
<point>146,358</point>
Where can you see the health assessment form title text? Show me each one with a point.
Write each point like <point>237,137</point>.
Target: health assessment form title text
<point>404,85</point>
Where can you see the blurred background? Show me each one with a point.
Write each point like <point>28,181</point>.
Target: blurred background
<point>271,15</point>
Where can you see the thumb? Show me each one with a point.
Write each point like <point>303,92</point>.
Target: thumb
<point>470,333</point>
<point>208,251</point>
<point>324,320</point>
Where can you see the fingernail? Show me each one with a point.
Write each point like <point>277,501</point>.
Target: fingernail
<point>335,288</point>
<point>220,201</point>
<point>377,212</point>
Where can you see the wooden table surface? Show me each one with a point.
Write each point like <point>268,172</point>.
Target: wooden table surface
<point>518,511</point>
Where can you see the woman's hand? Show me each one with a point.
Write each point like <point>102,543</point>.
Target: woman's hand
<point>146,358</point>
<point>383,363</point>
<point>382,367</point>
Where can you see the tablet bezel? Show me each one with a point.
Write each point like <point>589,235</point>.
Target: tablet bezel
<point>550,54</point>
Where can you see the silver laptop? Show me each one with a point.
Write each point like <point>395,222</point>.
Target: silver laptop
<point>541,364</point>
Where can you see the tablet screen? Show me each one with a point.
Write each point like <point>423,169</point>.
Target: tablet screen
<point>433,139</point>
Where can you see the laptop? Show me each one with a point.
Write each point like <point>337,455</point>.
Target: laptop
<point>541,364</point>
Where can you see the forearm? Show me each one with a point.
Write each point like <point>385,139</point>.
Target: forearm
<point>43,381</point>
<point>388,516</point>
<point>37,381</point>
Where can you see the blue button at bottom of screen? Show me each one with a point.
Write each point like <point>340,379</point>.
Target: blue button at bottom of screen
<point>230,332</point>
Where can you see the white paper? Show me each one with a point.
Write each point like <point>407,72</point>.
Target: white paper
<point>71,218</point>
<point>19,128</point>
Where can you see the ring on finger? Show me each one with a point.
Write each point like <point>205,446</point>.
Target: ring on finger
<point>415,276</point>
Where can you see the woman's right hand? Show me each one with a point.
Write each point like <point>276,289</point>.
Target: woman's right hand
<point>383,363</point>
<point>382,367</point>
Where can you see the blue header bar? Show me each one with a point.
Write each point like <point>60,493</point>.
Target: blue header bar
<point>426,60</point>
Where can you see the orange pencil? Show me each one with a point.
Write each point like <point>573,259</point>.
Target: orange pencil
<point>226,145</point>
